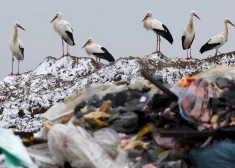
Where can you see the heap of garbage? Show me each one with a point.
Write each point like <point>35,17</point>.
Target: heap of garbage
<point>145,124</point>
<point>24,97</point>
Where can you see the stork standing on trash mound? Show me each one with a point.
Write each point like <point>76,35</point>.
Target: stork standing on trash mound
<point>219,40</point>
<point>189,34</point>
<point>64,29</point>
<point>159,28</point>
<point>97,50</point>
<point>16,47</point>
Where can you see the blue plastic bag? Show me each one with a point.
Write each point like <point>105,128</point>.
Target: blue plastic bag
<point>219,155</point>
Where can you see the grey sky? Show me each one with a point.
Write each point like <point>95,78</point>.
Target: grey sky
<point>114,24</point>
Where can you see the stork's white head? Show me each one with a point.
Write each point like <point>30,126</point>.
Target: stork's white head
<point>226,20</point>
<point>89,42</point>
<point>91,39</point>
<point>193,13</point>
<point>57,16</point>
<point>16,24</point>
<point>148,15</point>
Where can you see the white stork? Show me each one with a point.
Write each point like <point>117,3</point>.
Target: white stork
<point>16,47</point>
<point>217,41</point>
<point>189,34</point>
<point>64,29</point>
<point>97,50</point>
<point>159,28</point>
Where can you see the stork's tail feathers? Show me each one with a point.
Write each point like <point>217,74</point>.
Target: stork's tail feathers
<point>170,38</point>
<point>207,46</point>
<point>165,33</point>
<point>203,48</point>
<point>110,57</point>
<point>168,35</point>
<point>105,55</point>
<point>70,35</point>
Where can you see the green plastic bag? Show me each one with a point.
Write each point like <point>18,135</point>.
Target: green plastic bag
<point>15,153</point>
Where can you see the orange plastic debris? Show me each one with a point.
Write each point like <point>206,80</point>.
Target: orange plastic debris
<point>186,81</point>
<point>232,118</point>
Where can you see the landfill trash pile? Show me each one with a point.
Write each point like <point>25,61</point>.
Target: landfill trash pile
<point>25,97</point>
<point>145,124</point>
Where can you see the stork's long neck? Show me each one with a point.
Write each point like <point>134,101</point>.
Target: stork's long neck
<point>147,23</point>
<point>226,31</point>
<point>55,23</point>
<point>190,24</point>
<point>15,35</point>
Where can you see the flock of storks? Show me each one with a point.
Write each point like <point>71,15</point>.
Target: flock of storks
<point>64,29</point>
<point>188,34</point>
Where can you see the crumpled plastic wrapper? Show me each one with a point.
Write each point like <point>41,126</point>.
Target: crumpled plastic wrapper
<point>80,149</point>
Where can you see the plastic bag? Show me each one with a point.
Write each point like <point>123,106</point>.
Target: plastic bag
<point>109,140</point>
<point>166,142</point>
<point>217,71</point>
<point>193,101</point>
<point>15,153</point>
<point>79,148</point>
<point>219,155</point>
<point>125,123</point>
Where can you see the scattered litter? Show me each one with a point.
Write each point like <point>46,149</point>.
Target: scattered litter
<point>143,124</point>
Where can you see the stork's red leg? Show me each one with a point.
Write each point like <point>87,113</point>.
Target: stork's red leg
<point>12,64</point>
<point>187,55</point>
<point>18,67</point>
<point>67,50</point>
<point>63,47</point>
<point>157,44</point>
<point>159,39</point>
<point>190,53</point>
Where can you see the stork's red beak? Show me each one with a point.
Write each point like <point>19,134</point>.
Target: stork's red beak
<point>197,16</point>
<point>145,17</point>
<point>231,23</point>
<point>21,27</point>
<point>53,19</point>
<point>86,43</point>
